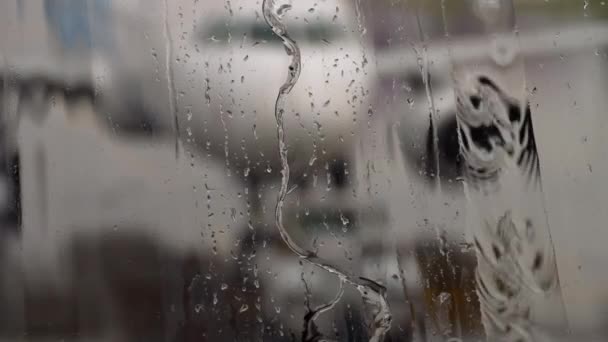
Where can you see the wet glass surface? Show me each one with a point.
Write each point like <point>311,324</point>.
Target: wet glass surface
<point>275,170</point>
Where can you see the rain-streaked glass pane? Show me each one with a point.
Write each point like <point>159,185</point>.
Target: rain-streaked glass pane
<point>310,170</point>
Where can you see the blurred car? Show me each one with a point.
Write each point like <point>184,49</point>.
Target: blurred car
<point>229,66</point>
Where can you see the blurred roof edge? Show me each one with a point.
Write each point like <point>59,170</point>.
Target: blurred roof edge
<point>444,52</point>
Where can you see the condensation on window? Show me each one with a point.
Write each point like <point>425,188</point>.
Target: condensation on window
<point>322,170</point>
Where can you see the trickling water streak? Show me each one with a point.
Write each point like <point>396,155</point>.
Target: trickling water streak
<point>310,329</point>
<point>226,141</point>
<point>445,24</point>
<point>372,292</point>
<point>169,73</point>
<point>423,65</point>
<point>293,75</point>
<point>450,54</point>
<point>359,15</point>
<point>406,295</point>
<point>507,214</point>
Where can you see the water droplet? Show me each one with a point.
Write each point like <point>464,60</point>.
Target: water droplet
<point>344,219</point>
<point>444,297</point>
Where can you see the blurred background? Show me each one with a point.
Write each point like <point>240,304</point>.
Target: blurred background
<point>140,166</point>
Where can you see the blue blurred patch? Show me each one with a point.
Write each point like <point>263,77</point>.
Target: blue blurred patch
<point>70,21</point>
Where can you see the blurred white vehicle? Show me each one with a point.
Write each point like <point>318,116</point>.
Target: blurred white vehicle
<point>228,69</point>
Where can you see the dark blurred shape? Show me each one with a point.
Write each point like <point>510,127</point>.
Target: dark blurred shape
<point>10,214</point>
<point>450,299</point>
<point>10,207</point>
<point>129,283</point>
<point>130,264</point>
<point>448,152</point>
